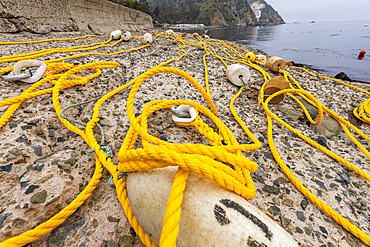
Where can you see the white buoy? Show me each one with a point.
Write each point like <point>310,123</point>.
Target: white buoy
<point>148,38</point>
<point>126,36</point>
<point>170,32</point>
<point>236,71</point>
<point>263,57</point>
<point>365,25</point>
<point>116,34</point>
<point>210,215</point>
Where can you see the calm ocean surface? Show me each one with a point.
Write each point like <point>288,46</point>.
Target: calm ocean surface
<point>331,47</point>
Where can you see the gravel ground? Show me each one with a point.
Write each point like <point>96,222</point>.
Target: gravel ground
<point>43,166</point>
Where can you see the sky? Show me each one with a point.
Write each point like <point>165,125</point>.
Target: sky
<point>321,10</point>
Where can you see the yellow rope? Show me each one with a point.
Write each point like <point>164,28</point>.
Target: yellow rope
<point>156,153</point>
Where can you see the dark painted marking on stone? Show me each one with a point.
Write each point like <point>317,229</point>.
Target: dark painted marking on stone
<point>220,215</point>
<point>230,204</point>
<point>255,243</point>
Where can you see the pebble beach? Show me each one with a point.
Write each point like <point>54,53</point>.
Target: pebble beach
<point>43,165</point>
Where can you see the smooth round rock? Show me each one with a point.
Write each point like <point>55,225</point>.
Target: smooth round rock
<point>148,38</point>
<point>235,71</point>
<point>116,34</point>
<point>275,63</point>
<point>210,214</point>
<point>126,36</point>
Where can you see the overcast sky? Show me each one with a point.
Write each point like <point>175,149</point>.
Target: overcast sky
<point>321,10</point>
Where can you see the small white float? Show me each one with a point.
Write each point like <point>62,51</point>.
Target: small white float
<point>148,38</point>
<point>237,71</point>
<point>116,34</point>
<point>126,36</point>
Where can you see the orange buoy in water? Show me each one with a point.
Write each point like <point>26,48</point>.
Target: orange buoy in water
<point>361,55</point>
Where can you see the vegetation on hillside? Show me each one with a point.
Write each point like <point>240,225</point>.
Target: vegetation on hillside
<point>199,11</point>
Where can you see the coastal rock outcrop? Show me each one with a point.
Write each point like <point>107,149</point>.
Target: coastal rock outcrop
<point>44,16</point>
<point>268,15</point>
<point>215,12</point>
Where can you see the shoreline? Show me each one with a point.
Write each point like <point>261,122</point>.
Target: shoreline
<point>62,169</point>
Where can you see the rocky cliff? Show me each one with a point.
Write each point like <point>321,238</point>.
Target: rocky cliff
<point>43,16</point>
<point>269,16</point>
<point>213,12</point>
<point>226,12</point>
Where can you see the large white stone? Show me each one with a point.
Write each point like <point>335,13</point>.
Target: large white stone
<point>210,216</point>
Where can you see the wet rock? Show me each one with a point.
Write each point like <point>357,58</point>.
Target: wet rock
<point>37,150</point>
<point>22,139</point>
<point>274,210</point>
<point>329,127</point>
<point>31,189</point>
<point>345,178</point>
<point>269,155</point>
<point>288,202</point>
<point>15,151</point>
<point>112,219</point>
<point>323,230</point>
<point>299,230</point>
<point>3,218</point>
<point>322,141</point>
<point>285,221</point>
<point>66,167</point>
<point>301,216</point>
<point>71,161</point>
<point>271,189</point>
<point>18,222</point>
<point>312,110</point>
<point>112,243</point>
<point>7,168</point>
<point>59,235</point>
<point>321,184</point>
<point>342,76</point>
<point>60,139</point>
<point>13,125</point>
<point>26,127</point>
<point>307,230</point>
<point>126,241</point>
<point>33,121</point>
<point>39,197</point>
<point>293,114</point>
<point>276,201</point>
<point>304,204</point>
<point>24,184</point>
<point>44,179</point>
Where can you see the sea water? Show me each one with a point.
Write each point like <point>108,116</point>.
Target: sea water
<point>331,47</point>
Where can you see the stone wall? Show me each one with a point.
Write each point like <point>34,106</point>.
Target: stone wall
<point>44,16</point>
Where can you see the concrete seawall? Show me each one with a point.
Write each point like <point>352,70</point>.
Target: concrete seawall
<point>44,16</point>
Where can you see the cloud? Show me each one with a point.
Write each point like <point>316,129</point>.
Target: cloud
<point>321,10</point>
